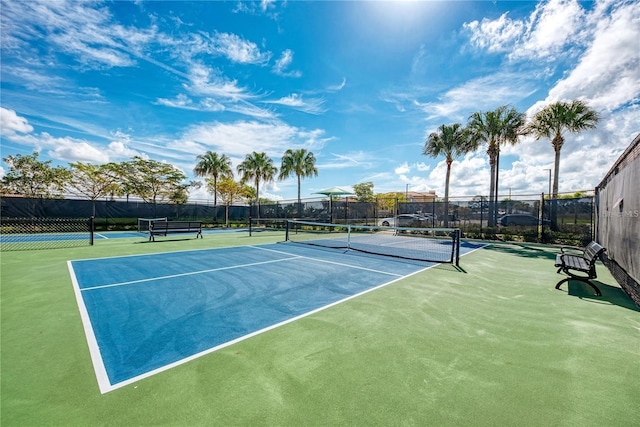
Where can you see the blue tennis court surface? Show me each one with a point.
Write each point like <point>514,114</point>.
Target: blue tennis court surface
<point>104,235</point>
<point>144,314</point>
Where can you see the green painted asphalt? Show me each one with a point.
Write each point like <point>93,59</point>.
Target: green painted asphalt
<point>491,344</point>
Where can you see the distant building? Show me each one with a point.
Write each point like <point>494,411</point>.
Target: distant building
<point>429,196</point>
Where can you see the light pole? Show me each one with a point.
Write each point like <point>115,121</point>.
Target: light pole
<point>406,193</point>
<point>549,193</point>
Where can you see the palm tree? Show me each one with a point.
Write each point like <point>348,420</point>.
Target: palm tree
<point>553,120</point>
<point>259,167</point>
<point>300,162</point>
<point>216,166</point>
<point>502,126</point>
<point>452,141</point>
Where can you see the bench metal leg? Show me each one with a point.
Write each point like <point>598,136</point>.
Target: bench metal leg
<point>566,279</point>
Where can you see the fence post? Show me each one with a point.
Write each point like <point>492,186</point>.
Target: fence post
<point>541,219</point>
<point>91,230</point>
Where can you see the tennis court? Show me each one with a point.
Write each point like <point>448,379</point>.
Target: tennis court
<point>489,343</point>
<point>144,314</point>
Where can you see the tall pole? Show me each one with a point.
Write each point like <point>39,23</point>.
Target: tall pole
<point>549,193</point>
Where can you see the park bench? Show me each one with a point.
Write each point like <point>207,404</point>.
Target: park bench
<point>580,267</point>
<point>162,228</point>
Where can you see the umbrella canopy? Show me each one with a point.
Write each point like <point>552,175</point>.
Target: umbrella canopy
<point>334,191</point>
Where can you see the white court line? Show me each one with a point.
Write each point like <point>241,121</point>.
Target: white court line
<point>94,350</point>
<point>331,262</point>
<point>105,384</point>
<point>191,273</point>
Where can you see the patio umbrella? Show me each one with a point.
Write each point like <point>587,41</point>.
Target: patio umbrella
<point>330,192</point>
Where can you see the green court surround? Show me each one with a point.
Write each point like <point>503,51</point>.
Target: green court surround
<point>492,345</point>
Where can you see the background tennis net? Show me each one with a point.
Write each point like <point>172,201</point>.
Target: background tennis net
<point>21,234</point>
<point>420,244</point>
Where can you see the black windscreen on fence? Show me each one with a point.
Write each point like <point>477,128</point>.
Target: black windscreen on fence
<point>618,219</point>
<point>535,219</point>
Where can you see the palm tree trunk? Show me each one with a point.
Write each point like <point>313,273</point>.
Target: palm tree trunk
<point>492,190</point>
<point>258,197</point>
<point>496,195</point>
<point>215,190</point>
<point>446,195</point>
<point>554,201</point>
<point>299,200</point>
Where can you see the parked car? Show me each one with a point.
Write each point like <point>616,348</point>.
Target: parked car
<point>520,219</point>
<point>406,220</point>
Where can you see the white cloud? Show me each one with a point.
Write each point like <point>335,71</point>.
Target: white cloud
<point>71,150</point>
<point>339,86</point>
<point>236,49</point>
<point>11,123</point>
<point>296,101</point>
<point>544,34</point>
<point>496,35</point>
<point>119,150</point>
<point>422,167</point>
<point>403,169</point>
<point>607,74</point>
<point>78,29</point>
<point>205,82</point>
<point>183,102</point>
<point>283,63</point>
<point>551,27</point>
<point>483,93</point>
<point>356,159</point>
<point>243,137</point>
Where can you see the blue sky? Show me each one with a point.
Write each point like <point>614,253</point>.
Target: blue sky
<point>360,84</point>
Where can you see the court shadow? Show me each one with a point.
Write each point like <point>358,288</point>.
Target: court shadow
<point>524,250</point>
<point>610,294</point>
<point>450,267</point>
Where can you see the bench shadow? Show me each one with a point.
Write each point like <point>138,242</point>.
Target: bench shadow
<point>165,240</point>
<point>610,294</point>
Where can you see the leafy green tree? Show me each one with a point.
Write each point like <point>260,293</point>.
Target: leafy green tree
<point>300,162</point>
<point>554,120</point>
<point>30,177</point>
<point>504,125</point>
<point>257,167</point>
<point>364,191</point>
<point>152,181</point>
<point>216,166</point>
<point>93,182</point>
<point>229,192</point>
<point>451,141</point>
<point>389,201</point>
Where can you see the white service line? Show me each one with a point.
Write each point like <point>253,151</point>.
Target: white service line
<point>191,273</point>
<point>332,262</point>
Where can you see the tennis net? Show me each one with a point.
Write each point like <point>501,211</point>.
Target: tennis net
<point>420,244</point>
<point>145,223</point>
<point>21,234</point>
